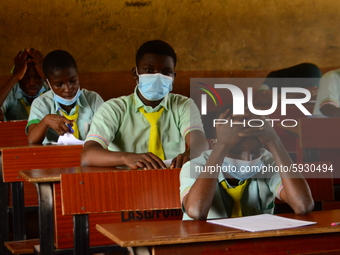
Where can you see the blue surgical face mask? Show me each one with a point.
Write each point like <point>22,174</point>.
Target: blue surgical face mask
<point>42,90</point>
<point>154,87</point>
<point>65,101</point>
<point>242,169</point>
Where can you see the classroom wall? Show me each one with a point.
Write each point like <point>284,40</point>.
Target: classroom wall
<point>103,35</point>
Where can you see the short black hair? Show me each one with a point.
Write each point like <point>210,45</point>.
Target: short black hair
<point>58,60</point>
<point>157,47</point>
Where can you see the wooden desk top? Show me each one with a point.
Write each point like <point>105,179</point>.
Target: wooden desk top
<point>53,174</point>
<point>28,146</point>
<point>176,232</point>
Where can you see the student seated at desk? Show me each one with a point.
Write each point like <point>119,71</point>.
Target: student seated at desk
<point>238,191</point>
<point>121,134</point>
<point>289,77</point>
<point>65,104</point>
<point>25,84</point>
<point>328,98</point>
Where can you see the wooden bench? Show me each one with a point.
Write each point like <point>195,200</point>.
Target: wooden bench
<point>12,133</point>
<point>57,232</point>
<point>319,140</point>
<point>30,157</point>
<point>115,191</point>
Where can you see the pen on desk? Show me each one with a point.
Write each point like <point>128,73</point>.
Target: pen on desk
<point>69,126</point>
<point>335,224</point>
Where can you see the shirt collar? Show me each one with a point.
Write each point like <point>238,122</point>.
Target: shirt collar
<point>138,103</point>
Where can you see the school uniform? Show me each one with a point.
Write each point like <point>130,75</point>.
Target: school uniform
<point>258,195</point>
<point>87,104</point>
<point>329,91</point>
<point>16,106</point>
<point>119,125</point>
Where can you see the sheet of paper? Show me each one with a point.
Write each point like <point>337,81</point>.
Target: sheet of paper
<point>262,222</point>
<point>68,138</point>
<point>167,162</point>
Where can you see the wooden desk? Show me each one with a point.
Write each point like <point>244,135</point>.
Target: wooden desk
<point>18,158</point>
<point>199,237</point>
<point>315,136</point>
<point>12,133</point>
<point>57,229</point>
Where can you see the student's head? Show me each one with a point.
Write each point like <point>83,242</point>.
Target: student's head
<point>32,83</point>
<point>248,148</point>
<point>155,69</point>
<point>60,69</point>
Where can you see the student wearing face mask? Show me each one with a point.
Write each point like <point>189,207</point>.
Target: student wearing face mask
<point>228,181</point>
<point>151,125</point>
<point>25,84</point>
<point>65,108</point>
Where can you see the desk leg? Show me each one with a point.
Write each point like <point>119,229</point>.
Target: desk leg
<point>18,211</point>
<point>46,227</point>
<point>4,229</point>
<point>311,155</point>
<point>81,234</point>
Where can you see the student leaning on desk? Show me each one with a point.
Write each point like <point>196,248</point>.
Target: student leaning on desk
<point>237,186</point>
<point>25,84</point>
<point>66,107</point>
<point>121,133</point>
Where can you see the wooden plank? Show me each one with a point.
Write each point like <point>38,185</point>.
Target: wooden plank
<point>320,182</point>
<point>31,195</point>
<point>85,193</point>
<point>49,156</point>
<point>322,244</point>
<point>21,247</point>
<point>12,133</point>
<point>312,128</point>
<point>64,223</point>
<point>174,232</point>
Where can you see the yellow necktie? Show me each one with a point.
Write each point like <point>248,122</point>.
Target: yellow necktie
<point>73,117</point>
<point>236,194</point>
<point>155,143</point>
<point>27,107</point>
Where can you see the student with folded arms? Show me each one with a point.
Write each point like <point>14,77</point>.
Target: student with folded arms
<point>237,190</point>
<point>65,108</point>
<point>150,125</point>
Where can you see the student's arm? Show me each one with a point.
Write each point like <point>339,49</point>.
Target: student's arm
<point>295,190</point>
<point>37,132</point>
<point>196,143</point>
<point>19,71</point>
<point>200,196</point>
<point>330,110</point>
<point>93,154</point>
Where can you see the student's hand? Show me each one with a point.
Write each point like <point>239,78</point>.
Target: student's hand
<point>265,134</point>
<point>57,123</point>
<point>180,160</point>
<point>37,59</point>
<point>20,62</point>
<point>144,161</point>
<point>227,135</point>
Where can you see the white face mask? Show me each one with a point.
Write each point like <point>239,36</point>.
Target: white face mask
<point>154,87</point>
<point>62,100</point>
<point>243,169</point>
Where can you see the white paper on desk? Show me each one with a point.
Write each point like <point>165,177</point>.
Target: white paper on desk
<point>262,222</point>
<point>167,162</point>
<point>68,138</point>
